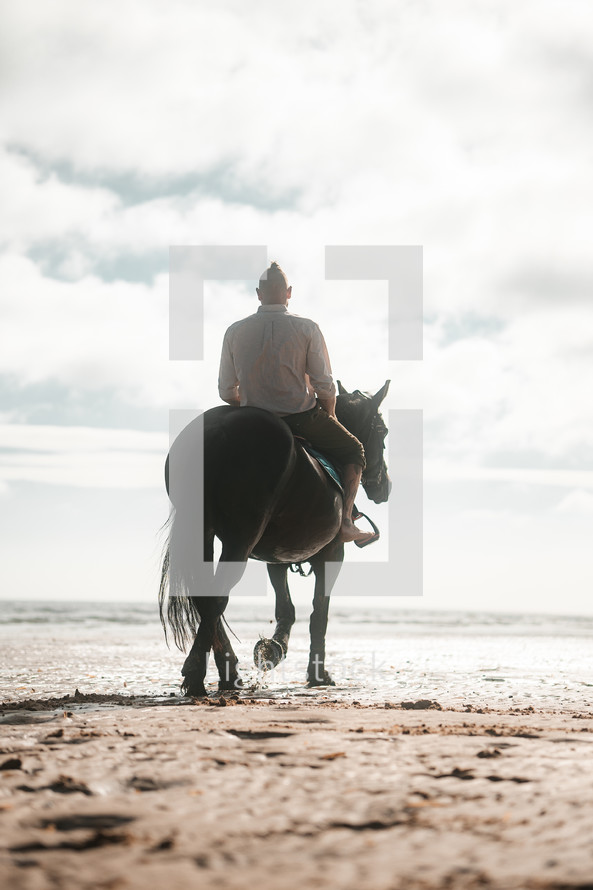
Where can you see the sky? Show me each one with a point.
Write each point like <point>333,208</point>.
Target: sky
<point>459,126</point>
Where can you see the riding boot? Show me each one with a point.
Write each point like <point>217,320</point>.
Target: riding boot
<point>351,477</point>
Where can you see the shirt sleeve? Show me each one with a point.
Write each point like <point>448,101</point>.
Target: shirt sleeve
<point>318,366</point>
<point>228,385</point>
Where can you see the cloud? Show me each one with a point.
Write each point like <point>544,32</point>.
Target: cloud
<point>87,335</point>
<point>39,207</point>
<point>452,128</point>
<point>175,127</point>
<point>492,393</point>
<point>458,129</point>
<point>231,82</point>
<point>443,471</point>
<point>82,457</point>
<point>577,502</point>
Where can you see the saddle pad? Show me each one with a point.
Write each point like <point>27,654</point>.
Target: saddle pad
<point>325,462</point>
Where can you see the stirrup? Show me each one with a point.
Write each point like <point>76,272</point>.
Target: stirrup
<point>358,514</point>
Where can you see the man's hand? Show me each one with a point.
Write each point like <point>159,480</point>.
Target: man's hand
<point>329,405</point>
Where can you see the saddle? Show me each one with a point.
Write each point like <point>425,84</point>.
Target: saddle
<point>333,472</point>
<point>329,467</point>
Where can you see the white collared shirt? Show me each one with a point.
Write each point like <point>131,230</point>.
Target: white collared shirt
<point>275,360</point>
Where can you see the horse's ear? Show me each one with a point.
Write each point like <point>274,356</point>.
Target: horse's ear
<point>341,390</point>
<point>380,395</point>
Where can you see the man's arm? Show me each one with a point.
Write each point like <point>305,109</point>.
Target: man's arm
<point>320,372</point>
<point>228,385</point>
<point>329,405</point>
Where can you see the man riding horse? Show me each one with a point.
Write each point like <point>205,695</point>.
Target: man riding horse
<point>242,478</point>
<point>279,361</point>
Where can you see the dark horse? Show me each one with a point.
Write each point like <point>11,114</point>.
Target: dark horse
<point>263,497</point>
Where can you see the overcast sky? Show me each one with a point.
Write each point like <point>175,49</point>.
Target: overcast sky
<point>461,126</point>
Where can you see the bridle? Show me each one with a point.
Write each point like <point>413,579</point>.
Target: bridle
<point>373,471</point>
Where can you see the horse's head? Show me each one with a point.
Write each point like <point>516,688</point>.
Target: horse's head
<point>359,413</point>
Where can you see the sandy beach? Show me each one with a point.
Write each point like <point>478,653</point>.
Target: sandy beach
<point>114,791</point>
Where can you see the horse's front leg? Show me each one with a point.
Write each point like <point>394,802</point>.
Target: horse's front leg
<point>268,653</point>
<point>317,675</point>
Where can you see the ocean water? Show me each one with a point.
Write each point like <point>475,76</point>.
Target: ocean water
<point>49,649</point>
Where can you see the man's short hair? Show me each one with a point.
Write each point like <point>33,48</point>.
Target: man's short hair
<point>273,279</point>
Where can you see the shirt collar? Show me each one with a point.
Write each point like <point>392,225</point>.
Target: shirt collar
<point>273,307</point>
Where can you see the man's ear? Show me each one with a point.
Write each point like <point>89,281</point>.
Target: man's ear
<point>289,292</point>
<point>258,294</point>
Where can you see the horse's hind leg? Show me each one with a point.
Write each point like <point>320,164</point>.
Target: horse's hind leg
<point>196,664</point>
<point>211,634</point>
<point>269,653</point>
<point>226,660</point>
<point>229,571</point>
<point>317,675</point>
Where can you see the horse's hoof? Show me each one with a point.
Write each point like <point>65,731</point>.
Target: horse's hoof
<point>325,679</point>
<point>267,654</point>
<point>193,688</point>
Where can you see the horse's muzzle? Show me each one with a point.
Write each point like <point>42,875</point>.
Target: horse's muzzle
<point>378,491</point>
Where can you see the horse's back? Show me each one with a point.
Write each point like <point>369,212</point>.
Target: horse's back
<point>255,484</point>
<point>236,448</point>
<point>248,433</point>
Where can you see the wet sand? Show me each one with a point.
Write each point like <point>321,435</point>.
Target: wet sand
<point>140,793</point>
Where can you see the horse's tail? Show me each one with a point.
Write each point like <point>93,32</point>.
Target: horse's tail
<point>179,575</point>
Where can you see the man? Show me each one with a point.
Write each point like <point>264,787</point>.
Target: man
<point>278,361</point>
